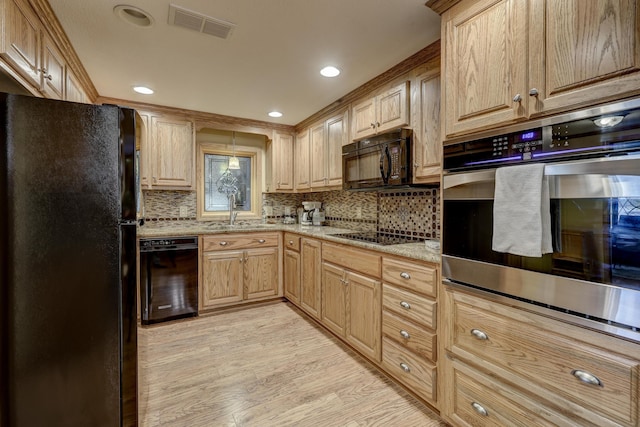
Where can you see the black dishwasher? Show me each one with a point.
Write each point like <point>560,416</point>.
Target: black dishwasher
<point>168,278</point>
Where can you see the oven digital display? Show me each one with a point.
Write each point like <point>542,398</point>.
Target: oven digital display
<point>530,135</point>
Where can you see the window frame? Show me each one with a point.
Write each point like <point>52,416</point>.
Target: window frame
<point>256,181</point>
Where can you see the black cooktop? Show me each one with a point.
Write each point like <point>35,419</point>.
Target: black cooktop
<point>380,238</point>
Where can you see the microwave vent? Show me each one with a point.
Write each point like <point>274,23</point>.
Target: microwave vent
<point>194,21</point>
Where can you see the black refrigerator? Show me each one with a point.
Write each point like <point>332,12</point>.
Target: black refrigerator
<point>68,348</point>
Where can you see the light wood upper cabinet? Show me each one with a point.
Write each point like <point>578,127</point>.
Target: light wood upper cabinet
<point>282,162</point>
<point>171,153</point>
<point>302,171</point>
<point>326,141</point>
<point>386,110</point>
<point>73,89</point>
<point>21,40</point>
<point>509,60</point>
<point>52,70</point>
<point>427,143</point>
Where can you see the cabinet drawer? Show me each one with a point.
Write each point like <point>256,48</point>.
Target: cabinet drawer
<point>591,376</point>
<point>407,304</point>
<point>292,241</point>
<point>353,258</point>
<point>223,242</point>
<point>414,371</point>
<point>481,401</point>
<point>418,278</point>
<point>409,335</point>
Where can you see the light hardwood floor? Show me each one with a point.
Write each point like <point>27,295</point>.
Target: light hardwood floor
<point>264,366</point>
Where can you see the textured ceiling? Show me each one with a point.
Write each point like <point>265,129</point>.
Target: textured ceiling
<point>271,60</point>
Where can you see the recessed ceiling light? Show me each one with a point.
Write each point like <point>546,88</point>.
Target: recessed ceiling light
<point>133,15</point>
<point>143,90</point>
<point>330,71</point>
<point>275,114</point>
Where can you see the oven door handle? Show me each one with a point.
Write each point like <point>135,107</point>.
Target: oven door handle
<point>618,165</point>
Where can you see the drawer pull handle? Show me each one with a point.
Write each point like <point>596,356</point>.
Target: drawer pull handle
<point>404,334</point>
<point>405,367</point>
<point>405,275</point>
<point>479,409</point>
<point>261,241</point>
<point>223,243</point>
<point>405,305</point>
<point>479,334</point>
<point>586,377</point>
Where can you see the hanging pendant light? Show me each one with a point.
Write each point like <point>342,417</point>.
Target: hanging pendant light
<point>234,163</point>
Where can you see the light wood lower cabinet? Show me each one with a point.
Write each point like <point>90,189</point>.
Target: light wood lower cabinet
<point>541,371</point>
<point>292,267</point>
<point>311,276</point>
<point>248,271</point>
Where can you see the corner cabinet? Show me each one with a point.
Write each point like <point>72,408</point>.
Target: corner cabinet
<point>505,366</point>
<point>511,60</point>
<point>167,158</point>
<point>385,110</point>
<point>239,267</point>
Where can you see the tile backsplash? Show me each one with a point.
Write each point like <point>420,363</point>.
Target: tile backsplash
<point>411,212</point>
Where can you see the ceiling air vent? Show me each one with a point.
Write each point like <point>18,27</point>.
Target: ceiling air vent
<point>185,18</point>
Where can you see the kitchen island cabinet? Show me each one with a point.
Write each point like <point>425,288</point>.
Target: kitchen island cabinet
<point>510,60</point>
<point>505,365</point>
<point>239,267</point>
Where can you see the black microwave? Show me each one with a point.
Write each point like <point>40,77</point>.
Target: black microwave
<point>380,161</point>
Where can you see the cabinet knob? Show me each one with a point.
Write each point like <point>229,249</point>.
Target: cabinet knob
<point>373,125</point>
<point>291,242</point>
<point>377,124</point>
<point>533,92</point>
<point>479,409</point>
<point>479,334</point>
<point>405,275</point>
<point>517,98</point>
<point>223,243</point>
<point>405,305</point>
<point>405,367</point>
<point>404,334</point>
<point>261,241</point>
<point>586,377</point>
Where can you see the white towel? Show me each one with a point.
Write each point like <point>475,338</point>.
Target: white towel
<point>521,215</point>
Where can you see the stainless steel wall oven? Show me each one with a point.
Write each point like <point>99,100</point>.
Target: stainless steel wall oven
<point>592,164</point>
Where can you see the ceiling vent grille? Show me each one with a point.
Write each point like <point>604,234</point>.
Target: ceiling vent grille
<point>185,18</point>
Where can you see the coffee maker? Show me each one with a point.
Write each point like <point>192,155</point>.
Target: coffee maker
<point>308,209</point>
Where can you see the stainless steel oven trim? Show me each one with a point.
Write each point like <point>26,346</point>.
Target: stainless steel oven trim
<point>608,302</point>
<point>554,314</point>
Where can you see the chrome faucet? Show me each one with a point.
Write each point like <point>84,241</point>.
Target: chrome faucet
<point>232,214</point>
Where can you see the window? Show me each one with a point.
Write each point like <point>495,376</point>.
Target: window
<point>216,181</point>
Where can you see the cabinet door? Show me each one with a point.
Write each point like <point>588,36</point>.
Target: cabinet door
<point>143,143</point>
<point>427,145</point>
<point>172,153</point>
<point>334,298</point>
<point>337,136</point>
<point>292,276</point>
<point>283,161</point>
<point>53,69</point>
<point>73,90</point>
<point>302,161</point>
<point>583,52</point>
<point>260,273</point>
<point>393,108</point>
<point>221,278</point>
<point>485,64</point>
<point>21,39</point>
<point>317,156</point>
<point>363,116</point>
<point>364,308</point>
<point>311,277</point>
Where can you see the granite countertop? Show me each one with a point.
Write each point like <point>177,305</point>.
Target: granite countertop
<point>425,251</point>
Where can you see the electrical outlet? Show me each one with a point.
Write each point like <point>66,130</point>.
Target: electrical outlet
<point>184,211</point>
<point>359,212</point>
